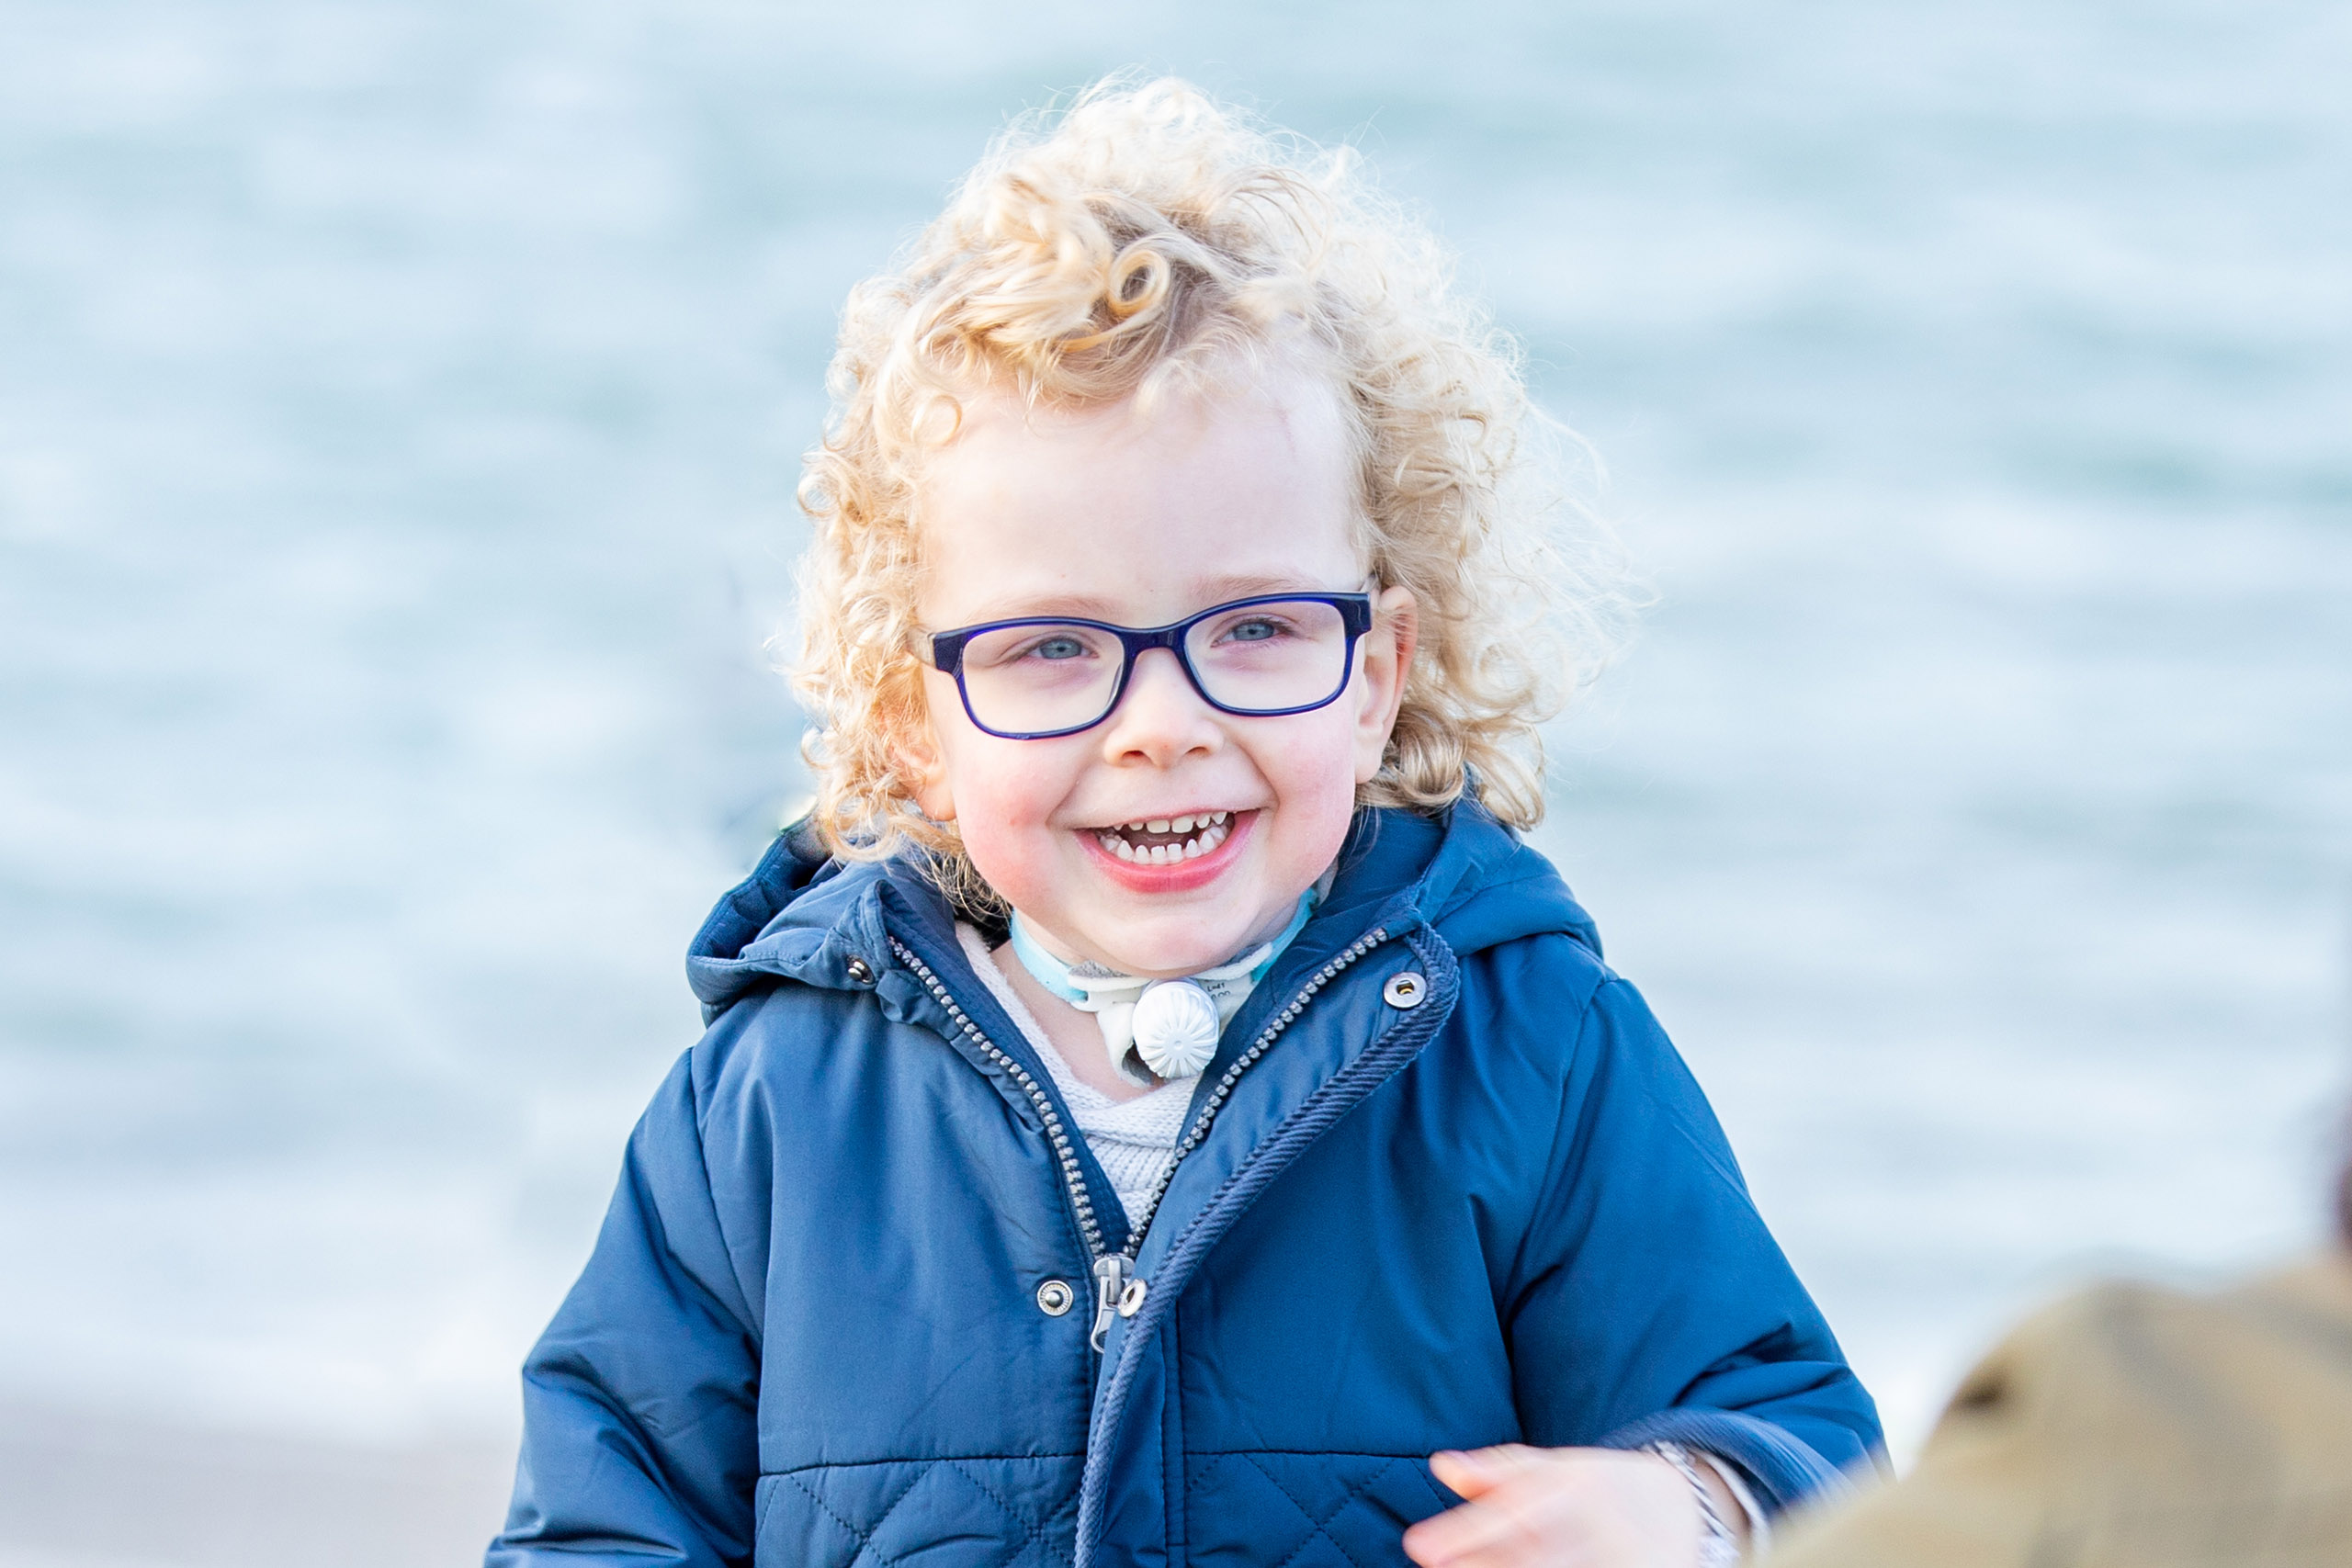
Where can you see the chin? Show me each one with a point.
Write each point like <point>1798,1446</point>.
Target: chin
<point>1179,954</point>
<point>1180,946</point>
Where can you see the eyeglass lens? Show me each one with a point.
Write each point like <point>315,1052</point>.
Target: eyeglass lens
<point>1254,657</point>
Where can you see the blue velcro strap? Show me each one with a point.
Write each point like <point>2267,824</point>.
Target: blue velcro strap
<point>1042,966</point>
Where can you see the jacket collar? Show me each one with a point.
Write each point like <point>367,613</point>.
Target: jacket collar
<point>802,916</point>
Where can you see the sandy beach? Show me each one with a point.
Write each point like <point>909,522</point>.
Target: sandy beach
<point>84,1490</point>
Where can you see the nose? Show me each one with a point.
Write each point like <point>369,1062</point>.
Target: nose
<point>1160,718</point>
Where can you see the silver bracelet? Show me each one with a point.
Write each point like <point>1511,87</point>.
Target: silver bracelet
<point>1718,1546</point>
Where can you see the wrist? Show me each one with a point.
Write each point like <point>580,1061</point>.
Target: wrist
<point>1723,1516</point>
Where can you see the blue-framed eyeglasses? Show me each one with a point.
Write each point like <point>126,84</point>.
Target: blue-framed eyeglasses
<point>1040,676</point>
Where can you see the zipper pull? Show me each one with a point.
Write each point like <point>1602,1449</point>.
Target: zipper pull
<point>1112,1271</point>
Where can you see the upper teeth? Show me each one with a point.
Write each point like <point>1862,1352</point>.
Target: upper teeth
<point>1210,825</point>
<point>1178,824</point>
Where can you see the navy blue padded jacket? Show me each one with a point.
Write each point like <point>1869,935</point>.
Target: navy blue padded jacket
<point>1446,1184</point>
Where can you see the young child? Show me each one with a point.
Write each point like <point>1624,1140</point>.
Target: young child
<point>1156,1109</point>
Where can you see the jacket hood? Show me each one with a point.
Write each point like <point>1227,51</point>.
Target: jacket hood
<point>803,916</point>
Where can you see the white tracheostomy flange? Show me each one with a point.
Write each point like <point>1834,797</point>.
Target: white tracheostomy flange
<point>1175,1026</point>
<point>1157,1030</point>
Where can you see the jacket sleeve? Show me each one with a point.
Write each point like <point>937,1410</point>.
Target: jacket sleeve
<point>1650,1301</point>
<point>641,1438</point>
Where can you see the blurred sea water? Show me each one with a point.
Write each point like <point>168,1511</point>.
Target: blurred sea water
<point>399,416</point>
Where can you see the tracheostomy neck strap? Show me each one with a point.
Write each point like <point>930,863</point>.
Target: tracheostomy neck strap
<point>1164,1029</point>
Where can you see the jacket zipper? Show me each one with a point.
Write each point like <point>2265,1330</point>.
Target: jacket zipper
<point>1073,1176</point>
<point>1118,1289</point>
<point>1307,1121</point>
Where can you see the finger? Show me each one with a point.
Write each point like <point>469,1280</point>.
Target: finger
<point>1458,1533</point>
<point>1528,1553</point>
<point>1479,1471</point>
<point>1508,1518</point>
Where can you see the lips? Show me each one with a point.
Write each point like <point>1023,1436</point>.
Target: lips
<point>1166,840</point>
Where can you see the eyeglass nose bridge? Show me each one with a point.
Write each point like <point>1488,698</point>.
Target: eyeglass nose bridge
<point>1134,645</point>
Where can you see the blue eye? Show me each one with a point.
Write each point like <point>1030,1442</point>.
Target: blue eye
<point>1255,630</point>
<point>1059,647</point>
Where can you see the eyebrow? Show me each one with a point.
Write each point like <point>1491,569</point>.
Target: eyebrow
<point>1210,591</point>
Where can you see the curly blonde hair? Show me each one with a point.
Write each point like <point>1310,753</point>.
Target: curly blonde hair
<point>1145,240</point>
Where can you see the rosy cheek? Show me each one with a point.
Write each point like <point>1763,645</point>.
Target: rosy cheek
<point>1318,787</point>
<point>1331,780</point>
<point>1005,800</point>
<point>997,854</point>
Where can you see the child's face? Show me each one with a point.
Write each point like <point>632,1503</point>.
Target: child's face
<point>1109,515</point>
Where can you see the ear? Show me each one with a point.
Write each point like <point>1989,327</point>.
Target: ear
<point>922,762</point>
<point>1387,652</point>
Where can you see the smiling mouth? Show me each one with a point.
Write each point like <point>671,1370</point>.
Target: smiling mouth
<point>1165,841</point>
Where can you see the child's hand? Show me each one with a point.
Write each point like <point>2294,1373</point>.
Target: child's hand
<point>1559,1509</point>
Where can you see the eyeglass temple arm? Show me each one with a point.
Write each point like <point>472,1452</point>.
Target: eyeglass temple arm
<point>942,650</point>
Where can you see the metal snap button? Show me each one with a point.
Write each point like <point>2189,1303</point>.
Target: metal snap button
<point>1405,989</point>
<point>861,971</point>
<point>1055,1297</point>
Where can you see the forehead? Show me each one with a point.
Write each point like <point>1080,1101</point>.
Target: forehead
<point>1139,512</point>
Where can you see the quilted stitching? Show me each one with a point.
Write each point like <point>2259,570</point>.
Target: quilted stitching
<point>1352,1508</point>
<point>1035,1508</point>
<point>1029,1527</point>
<point>865,1537</point>
<point>1349,1509</point>
<point>1347,1501</point>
